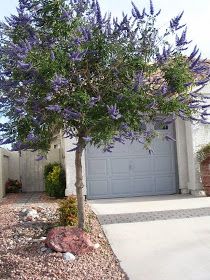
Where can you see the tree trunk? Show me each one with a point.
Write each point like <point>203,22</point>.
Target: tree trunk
<point>79,188</point>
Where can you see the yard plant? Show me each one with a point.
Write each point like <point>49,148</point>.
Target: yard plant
<point>68,211</point>
<point>64,66</point>
<point>55,180</point>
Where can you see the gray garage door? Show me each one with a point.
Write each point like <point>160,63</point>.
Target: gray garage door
<point>130,171</point>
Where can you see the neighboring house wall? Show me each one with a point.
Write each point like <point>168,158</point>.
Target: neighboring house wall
<point>9,168</point>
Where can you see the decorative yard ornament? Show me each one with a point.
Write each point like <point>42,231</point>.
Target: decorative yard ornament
<point>99,79</point>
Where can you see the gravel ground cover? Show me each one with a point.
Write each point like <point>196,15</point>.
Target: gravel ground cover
<point>24,256</point>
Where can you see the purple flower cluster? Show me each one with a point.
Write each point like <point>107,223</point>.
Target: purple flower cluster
<point>86,33</point>
<point>194,53</point>
<point>71,114</point>
<point>20,111</point>
<point>114,112</point>
<point>182,41</point>
<point>40,157</point>
<point>108,148</point>
<point>175,22</point>
<point>98,15</point>
<point>77,56</point>
<point>58,82</point>
<point>66,15</point>
<point>54,108</point>
<point>136,13</point>
<point>21,100</point>
<point>119,139</point>
<point>25,4</point>
<point>52,55</point>
<point>151,8</point>
<point>21,20</point>
<point>94,100</point>
<point>87,139</point>
<point>32,137</point>
<point>139,81</point>
<point>161,58</point>
<point>19,145</point>
<point>49,97</point>
<point>24,66</point>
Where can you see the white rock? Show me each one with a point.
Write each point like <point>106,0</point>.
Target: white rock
<point>68,256</point>
<point>43,249</point>
<point>32,213</point>
<point>42,238</point>
<point>24,211</point>
<point>96,246</point>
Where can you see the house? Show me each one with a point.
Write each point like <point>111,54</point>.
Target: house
<point>126,172</point>
<point>131,171</point>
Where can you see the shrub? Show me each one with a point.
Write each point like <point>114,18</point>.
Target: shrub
<point>203,153</point>
<point>55,180</point>
<point>68,211</point>
<point>13,186</point>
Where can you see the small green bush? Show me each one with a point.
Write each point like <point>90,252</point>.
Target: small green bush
<point>203,153</point>
<point>68,211</point>
<point>55,180</point>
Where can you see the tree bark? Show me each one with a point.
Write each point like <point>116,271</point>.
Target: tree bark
<point>79,187</point>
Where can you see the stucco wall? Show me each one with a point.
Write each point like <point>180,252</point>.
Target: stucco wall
<point>9,168</point>
<point>182,159</point>
<point>70,167</point>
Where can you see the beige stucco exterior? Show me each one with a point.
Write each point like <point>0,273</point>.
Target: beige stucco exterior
<point>70,167</point>
<point>9,168</point>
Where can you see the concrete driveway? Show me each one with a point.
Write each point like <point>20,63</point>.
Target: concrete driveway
<point>159,238</point>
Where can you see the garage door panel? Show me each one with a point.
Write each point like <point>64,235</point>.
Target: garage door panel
<point>97,167</point>
<point>95,153</point>
<point>119,167</point>
<point>98,188</point>
<point>144,185</point>
<point>162,147</point>
<point>138,149</point>
<point>121,187</point>
<point>119,150</point>
<point>163,164</point>
<point>142,165</point>
<point>165,183</point>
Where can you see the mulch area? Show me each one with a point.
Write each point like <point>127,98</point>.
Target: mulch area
<point>21,243</point>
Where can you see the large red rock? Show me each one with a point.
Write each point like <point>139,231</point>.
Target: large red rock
<point>69,239</point>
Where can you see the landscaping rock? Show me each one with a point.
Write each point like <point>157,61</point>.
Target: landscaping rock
<point>24,211</point>
<point>33,213</point>
<point>29,214</point>
<point>69,257</point>
<point>43,249</point>
<point>96,246</point>
<point>67,239</point>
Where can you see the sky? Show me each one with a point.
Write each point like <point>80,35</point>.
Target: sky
<point>196,15</point>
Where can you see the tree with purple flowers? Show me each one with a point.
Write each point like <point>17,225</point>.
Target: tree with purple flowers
<point>98,79</point>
